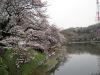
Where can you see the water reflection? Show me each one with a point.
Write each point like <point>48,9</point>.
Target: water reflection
<point>84,60</point>
<point>92,48</point>
<point>98,72</point>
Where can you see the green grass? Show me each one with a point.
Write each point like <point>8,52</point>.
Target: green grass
<point>30,68</point>
<point>3,68</point>
<point>43,68</point>
<point>24,69</point>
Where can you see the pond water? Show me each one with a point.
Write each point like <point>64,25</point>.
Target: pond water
<point>82,59</point>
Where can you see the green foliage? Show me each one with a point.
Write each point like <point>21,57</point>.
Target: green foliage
<point>1,60</point>
<point>3,68</point>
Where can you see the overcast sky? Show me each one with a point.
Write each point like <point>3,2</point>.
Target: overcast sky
<point>72,13</point>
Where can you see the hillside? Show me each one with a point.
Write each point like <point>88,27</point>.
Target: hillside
<point>90,33</point>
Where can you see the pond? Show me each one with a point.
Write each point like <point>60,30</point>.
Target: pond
<point>82,59</point>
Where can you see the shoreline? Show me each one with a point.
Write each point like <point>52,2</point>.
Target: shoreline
<point>84,42</point>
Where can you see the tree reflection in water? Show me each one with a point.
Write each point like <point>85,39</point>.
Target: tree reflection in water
<point>98,72</point>
<point>92,48</point>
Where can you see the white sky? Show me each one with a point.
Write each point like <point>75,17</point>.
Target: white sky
<point>72,13</point>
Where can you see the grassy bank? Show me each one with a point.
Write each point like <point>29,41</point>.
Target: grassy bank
<point>29,68</point>
<point>41,70</point>
<point>85,42</point>
<point>24,69</point>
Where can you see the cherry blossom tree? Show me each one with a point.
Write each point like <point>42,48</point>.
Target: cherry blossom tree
<point>26,21</point>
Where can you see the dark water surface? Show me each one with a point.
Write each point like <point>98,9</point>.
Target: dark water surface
<point>83,59</point>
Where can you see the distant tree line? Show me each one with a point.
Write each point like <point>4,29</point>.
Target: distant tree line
<point>91,33</point>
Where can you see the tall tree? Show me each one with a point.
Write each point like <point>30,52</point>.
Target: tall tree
<point>23,24</point>
<point>19,12</point>
<point>25,20</point>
